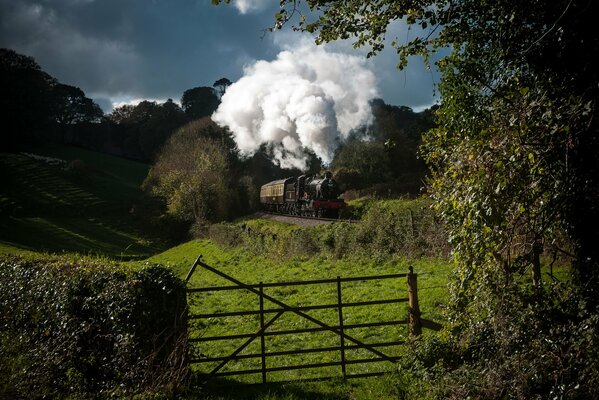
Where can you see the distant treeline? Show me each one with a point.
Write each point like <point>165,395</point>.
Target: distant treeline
<point>198,176</point>
<point>40,110</point>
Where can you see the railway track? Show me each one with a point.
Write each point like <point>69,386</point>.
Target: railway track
<point>314,220</point>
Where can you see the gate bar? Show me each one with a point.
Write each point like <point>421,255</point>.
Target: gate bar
<point>293,283</point>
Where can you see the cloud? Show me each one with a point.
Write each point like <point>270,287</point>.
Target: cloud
<point>247,6</point>
<point>307,98</point>
<point>413,86</point>
<point>66,52</point>
<point>157,49</point>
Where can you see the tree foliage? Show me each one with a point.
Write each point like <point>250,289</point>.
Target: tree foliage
<point>35,104</point>
<point>384,156</point>
<point>192,175</point>
<point>25,99</point>
<point>200,101</point>
<point>143,128</point>
<point>73,107</point>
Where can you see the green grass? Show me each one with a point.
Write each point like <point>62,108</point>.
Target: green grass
<point>49,207</point>
<point>433,277</point>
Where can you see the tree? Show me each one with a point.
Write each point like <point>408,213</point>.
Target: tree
<point>145,127</point>
<point>129,114</point>
<point>368,159</point>
<point>192,176</point>
<point>25,99</point>
<point>157,128</point>
<point>221,86</point>
<point>71,106</point>
<point>400,129</point>
<point>199,102</point>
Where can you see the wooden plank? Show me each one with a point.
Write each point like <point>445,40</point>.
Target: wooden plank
<point>296,352</point>
<point>341,338</point>
<point>413,307</point>
<point>193,268</point>
<point>302,366</point>
<point>296,331</point>
<point>262,329</point>
<point>322,329</point>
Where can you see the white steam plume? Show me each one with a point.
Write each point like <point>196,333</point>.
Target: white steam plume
<point>305,99</point>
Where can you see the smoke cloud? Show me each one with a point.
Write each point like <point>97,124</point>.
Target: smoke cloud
<point>307,98</point>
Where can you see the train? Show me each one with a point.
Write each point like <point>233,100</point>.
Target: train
<point>305,195</point>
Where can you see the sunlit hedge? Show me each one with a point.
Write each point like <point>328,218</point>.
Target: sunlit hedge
<point>81,326</point>
<point>407,227</point>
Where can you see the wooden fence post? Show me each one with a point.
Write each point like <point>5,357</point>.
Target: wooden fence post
<point>413,307</point>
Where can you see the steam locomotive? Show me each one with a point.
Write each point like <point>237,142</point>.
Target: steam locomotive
<point>305,195</point>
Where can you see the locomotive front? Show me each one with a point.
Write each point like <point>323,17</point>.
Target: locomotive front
<point>304,195</point>
<point>323,197</point>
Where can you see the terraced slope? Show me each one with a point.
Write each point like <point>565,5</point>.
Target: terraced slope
<point>68,199</point>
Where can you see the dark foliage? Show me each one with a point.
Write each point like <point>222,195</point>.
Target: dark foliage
<point>81,327</point>
<point>35,105</point>
<point>141,130</point>
<point>201,101</point>
<point>384,157</point>
<point>536,346</point>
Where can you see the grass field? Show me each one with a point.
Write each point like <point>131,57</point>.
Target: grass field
<point>433,278</point>
<point>50,202</point>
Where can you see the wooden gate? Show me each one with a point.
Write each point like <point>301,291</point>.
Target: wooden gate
<point>346,342</point>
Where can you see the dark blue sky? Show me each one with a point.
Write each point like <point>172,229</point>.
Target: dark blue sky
<point>122,50</point>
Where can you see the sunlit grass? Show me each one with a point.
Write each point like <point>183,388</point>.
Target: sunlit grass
<point>433,278</point>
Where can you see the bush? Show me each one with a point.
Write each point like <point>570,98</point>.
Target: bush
<point>82,327</point>
<point>406,227</point>
<point>542,345</point>
<point>225,234</point>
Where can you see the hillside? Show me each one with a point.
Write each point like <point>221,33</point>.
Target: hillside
<point>65,199</point>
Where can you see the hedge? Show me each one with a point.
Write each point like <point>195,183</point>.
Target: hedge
<point>71,328</point>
